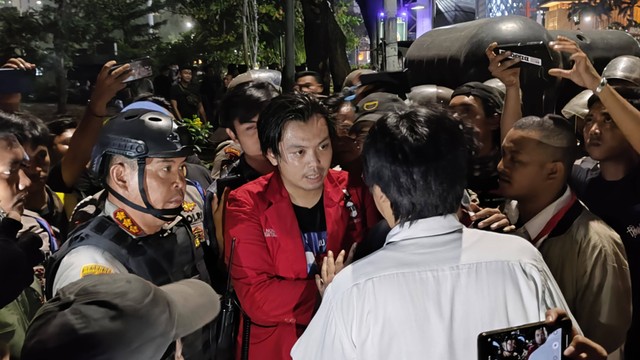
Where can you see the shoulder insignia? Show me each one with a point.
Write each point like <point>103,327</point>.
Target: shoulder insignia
<point>232,151</point>
<point>371,105</point>
<point>188,206</point>
<point>126,223</point>
<point>198,236</point>
<point>95,269</point>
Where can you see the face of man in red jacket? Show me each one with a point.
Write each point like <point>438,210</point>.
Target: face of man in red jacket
<point>305,155</point>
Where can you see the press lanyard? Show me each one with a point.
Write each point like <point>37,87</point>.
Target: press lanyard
<point>555,219</point>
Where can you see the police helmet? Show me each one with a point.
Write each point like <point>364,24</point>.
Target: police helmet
<point>625,67</point>
<point>140,134</point>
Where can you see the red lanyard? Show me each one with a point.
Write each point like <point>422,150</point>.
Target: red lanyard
<point>555,219</point>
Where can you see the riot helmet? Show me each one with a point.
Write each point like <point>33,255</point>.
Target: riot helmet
<point>625,67</point>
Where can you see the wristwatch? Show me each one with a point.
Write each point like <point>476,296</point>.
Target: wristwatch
<point>603,83</point>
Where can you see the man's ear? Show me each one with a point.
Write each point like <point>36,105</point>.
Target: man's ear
<point>231,135</point>
<point>494,121</point>
<point>555,170</point>
<point>119,176</point>
<point>272,158</point>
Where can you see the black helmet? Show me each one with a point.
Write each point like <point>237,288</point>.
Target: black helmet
<point>140,134</point>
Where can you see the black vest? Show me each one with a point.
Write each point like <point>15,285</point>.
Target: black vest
<point>159,258</point>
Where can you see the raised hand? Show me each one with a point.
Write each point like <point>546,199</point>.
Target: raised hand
<point>582,73</point>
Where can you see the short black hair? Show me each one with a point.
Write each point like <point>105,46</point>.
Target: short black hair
<point>27,128</point>
<point>309,73</point>
<point>244,101</point>
<point>419,160</point>
<point>629,93</point>
<point>558,134</point>
<point>286,108</point>
<point>57,127</point>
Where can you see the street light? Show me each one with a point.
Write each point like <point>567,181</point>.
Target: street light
<point>587,18</point>
<point>188,24</point>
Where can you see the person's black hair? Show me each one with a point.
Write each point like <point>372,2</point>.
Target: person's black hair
<point>186,67</point>
<point>27,128</point>
<point>283,109</point>
<point>244,101</point>
<point>309,73</point>
<point>629,93</point>
<point>419,159</point>
<point>335,101</point>
<point>559,137</point>
<point>57,127</point>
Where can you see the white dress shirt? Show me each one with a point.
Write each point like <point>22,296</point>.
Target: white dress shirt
<point>428,293</point>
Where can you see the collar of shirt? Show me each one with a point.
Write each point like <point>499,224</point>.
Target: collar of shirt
<point>538,222</point>
<point>433,226</point>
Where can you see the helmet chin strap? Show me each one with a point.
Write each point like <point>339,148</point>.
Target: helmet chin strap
<point>162,214</point>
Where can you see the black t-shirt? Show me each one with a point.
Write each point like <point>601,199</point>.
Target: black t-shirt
<point>313,227</point>
<point>187,99</point>
<point>618,204</point>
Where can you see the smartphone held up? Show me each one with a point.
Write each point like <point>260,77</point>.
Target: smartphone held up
<point>16,81</point>
<point>138,69</point>
<point>536,341</point>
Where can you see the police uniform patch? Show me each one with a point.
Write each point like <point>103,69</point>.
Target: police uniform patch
<point>198,236</point>
<point>126,223</point>
<point>188,206</point>
<point>371,105</point>
<point>232,152</point>
<point>95,269</point>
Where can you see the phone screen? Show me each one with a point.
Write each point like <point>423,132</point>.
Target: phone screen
<point>140,69</point>
<point>15,81</point>
<point>530,342</point>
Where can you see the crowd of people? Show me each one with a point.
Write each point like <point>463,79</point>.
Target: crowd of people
<point>370,223</point>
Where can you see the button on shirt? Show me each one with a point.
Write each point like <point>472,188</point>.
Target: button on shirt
<point>428,293</point>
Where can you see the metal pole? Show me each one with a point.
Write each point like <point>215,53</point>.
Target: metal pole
<point>391,35</point>
<point>289,46</point>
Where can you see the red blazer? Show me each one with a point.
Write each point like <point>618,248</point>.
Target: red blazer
<point>269,270</point>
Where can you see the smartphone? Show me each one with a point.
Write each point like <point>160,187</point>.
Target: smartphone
<point>536,341</point>
<point>231,182</point>
<point>530,54</point>
<point>16,81</point>
<point>140,69</point>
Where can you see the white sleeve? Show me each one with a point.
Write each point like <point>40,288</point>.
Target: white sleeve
<point>326,337</point>
<point>84,261</point>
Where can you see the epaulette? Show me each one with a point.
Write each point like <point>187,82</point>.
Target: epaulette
<point>122,218</point>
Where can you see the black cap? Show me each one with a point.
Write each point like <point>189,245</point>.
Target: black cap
<point>489,94</point>
<point>118,316</point>
<point>377,105</point>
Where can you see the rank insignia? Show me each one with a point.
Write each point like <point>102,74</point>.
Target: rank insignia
<point>188,206</point>
<point>126,223</point>
<point>198,236</point>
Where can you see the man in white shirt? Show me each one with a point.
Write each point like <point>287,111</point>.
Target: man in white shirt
<point>585,256</point>
<point>435,285</point>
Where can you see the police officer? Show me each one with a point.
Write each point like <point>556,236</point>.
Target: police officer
<point>141,158</point>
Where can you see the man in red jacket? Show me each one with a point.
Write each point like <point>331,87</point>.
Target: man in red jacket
<point>285,223</point>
